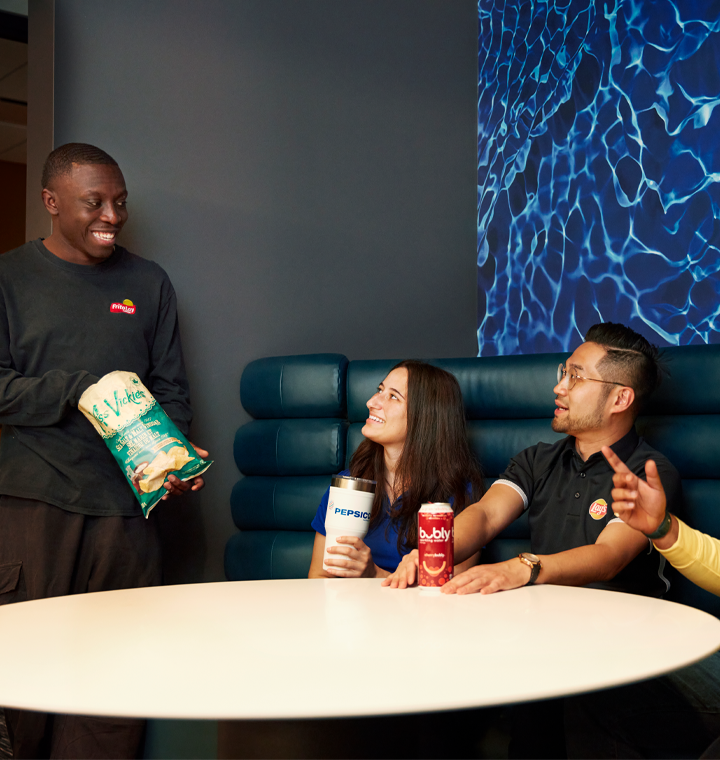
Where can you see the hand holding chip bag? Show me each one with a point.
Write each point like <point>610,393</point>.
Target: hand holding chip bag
<point>145,442</point>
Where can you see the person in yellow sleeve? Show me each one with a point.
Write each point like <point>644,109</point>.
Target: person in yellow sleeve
<point>641,505</point>
<point>677,715</point>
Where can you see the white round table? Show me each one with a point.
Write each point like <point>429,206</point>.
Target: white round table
<point>320,648</point>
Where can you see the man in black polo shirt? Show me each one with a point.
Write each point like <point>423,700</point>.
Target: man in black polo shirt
<point>566,486</point>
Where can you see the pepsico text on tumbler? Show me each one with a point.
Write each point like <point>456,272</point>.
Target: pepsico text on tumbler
<point>348,512</point>
<point>436,543</point>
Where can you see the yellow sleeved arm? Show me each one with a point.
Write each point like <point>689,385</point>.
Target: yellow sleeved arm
<point>697,556</point>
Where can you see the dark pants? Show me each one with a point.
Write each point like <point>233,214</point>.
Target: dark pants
<point>44,552</point>
<point>675,716</point>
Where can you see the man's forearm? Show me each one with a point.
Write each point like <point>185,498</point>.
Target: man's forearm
<point>469,530</point>
<point>477,525</point>
<point>580,566</point>
<point>40,401</point>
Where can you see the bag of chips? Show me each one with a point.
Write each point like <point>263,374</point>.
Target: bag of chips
<point>145,442</point>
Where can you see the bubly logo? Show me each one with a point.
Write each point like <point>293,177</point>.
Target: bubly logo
<point>438,534</point>
<point>126,307</point>
<point>352,513</point>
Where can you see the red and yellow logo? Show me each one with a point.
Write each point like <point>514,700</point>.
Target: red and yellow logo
<point>126,307</point>
<point>598,509</point>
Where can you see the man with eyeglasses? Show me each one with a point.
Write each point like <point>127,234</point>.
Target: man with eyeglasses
<point>566,486</point>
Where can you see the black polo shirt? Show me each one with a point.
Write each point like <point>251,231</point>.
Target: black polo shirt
<point>569,502</point>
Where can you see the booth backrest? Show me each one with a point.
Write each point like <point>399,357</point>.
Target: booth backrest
<point>308,412</point>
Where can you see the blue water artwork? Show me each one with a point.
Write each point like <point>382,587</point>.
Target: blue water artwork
<point>598,171</point>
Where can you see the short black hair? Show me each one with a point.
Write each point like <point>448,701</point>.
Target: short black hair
<point>630,359</point>
<point>61,160</point>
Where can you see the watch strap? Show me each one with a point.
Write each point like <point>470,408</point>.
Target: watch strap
<point>535,568</point>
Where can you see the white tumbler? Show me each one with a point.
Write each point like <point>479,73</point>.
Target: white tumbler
<point>348,511</point>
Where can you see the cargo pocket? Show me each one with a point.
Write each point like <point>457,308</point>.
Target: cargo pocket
<point>11,587</point>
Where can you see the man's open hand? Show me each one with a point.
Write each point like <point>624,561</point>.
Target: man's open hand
<point>176,487</point>
<point>487,579</point>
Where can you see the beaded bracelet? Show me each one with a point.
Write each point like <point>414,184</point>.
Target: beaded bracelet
<point>663,529</point>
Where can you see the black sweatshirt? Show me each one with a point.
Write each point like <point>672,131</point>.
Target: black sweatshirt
<point>63,326</point>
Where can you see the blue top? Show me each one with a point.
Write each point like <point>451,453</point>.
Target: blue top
<point>382,544</point>
<point>383,547</point>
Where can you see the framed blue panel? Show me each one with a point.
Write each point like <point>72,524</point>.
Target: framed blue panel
<point>598,157</point>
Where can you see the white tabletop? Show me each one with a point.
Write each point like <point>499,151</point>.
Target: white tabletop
<point>326,648</point>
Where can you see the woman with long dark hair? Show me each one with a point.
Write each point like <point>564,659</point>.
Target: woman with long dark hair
<point>416,449</point>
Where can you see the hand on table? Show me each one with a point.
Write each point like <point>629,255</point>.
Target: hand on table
<point>176,487</point>
<point>487,579</point>
<point>353,560</point>
<point>638,503</point>
<point>406,572</point>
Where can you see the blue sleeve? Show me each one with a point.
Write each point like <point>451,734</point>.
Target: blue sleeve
<point>318,523</point>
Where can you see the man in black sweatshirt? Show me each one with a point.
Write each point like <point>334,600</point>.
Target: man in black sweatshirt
<point>74,307</point>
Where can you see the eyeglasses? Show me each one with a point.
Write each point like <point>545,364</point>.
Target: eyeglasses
<point>573,378</point>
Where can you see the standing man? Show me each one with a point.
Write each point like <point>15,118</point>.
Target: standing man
<point>69,523</point>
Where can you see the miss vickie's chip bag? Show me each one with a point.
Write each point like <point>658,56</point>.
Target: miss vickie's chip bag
<point>145,442</point>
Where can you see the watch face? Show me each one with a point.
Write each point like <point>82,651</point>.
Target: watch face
<point>531,557</point>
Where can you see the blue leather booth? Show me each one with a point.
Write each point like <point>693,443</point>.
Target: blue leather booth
<point>308,412</point>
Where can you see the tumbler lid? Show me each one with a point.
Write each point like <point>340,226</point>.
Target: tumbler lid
<point>353,484</point>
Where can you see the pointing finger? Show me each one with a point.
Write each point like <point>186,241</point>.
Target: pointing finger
<point>614,460</point>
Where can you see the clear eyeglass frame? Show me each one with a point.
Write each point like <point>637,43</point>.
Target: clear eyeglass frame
<point>573,378</point>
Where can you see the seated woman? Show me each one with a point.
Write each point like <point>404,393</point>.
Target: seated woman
<point>416,449</point>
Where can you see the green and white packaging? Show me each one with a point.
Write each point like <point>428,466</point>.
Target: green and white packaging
<point>145,442</point>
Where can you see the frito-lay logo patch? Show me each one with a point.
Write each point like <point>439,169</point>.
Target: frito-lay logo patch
<point>598,509</point>
<point>126,307</point>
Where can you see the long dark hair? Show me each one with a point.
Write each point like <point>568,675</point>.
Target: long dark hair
<point>436,463</point>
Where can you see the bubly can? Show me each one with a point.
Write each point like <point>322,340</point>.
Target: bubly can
<point>436,543</point>
<point>348,512</point>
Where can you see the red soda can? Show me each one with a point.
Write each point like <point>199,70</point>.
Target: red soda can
<point>436,542</point>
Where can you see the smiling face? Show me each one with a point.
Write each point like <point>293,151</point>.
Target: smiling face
<point>88,207</point>
<point>584,408</point>
<point>387,422</point>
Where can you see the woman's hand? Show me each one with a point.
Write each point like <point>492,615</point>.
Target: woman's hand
<point>352,559</point>
<point>406,572</point>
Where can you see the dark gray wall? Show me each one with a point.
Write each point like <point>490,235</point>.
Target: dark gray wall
<point>305,172</point>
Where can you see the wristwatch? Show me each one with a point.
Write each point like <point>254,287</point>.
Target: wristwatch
<point>533,563</point>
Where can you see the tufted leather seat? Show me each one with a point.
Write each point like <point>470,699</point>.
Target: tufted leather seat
<point>309,411</point>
